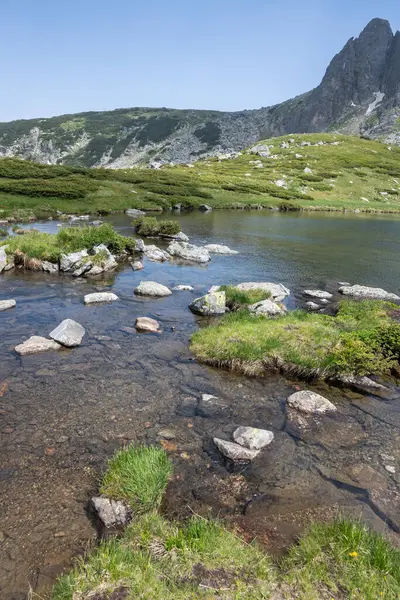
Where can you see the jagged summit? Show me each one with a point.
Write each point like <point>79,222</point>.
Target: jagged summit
<point>359,94</point>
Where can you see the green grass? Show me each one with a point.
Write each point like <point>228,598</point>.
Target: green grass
<point>156,559</point>
<point>236,299</point>
<point>356,174</point>
<point>344,558</point>
<point>46,246</point>
<point>150,226</point>
<point>139,475</point>
<point>361,339</point>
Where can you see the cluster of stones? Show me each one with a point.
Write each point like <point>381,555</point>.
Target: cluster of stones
<point>320,298</point>
<point>68,334</point>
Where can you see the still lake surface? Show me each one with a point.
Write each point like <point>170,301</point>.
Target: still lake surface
<point>63,414</point>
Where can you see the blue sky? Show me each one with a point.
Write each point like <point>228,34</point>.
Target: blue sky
<point>60,57</point>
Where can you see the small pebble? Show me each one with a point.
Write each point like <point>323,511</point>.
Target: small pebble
<point>59,534</point>
<point>390,469</point>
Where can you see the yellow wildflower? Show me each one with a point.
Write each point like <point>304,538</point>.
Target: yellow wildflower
<point>354,554</point>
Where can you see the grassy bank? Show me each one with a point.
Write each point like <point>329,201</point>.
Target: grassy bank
<point>156,559</point>
<point>355,174</point>
<point>363,338</point>
<point>47,246</point>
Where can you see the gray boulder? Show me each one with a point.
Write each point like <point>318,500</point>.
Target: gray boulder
<point>100,297</point>
<point>147,325</point>
<point>140,247</point>
<point>277,290</point>
<point>69,333</point>
<point>155,254</point>
<point>73,260</point>
<point>235,452</point>
<point>189,252</point>
<point>152,288</point>
<point>49,267</point>
<point>3,258</point>
<point>219,249</point>
<point>205,207</point>
<point>310,403</point>
<point>104,258</point>
<point>253,438</point>
<point>180,237</point>
<point>267,308</point>
<point>313,306</point>
<point>6,304</point>
<point>36,344</point>
<point>209,305</point>
<point>134,212</point>
<point>112,513</point>
<point>318,294</point>
<point>361,291</point>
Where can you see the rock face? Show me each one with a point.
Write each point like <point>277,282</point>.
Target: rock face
<point>189,252</point>
<point>36,344</point>
<point>252,438</point>
<point>361,291</point>
<point>152,288</point>
<point>310,403</point>
<point>209,305</point>
<point>6,304</point>
<point>318,294</point>
<point>267,308</point>
<point>112,513</point>
<point>278,291</point>
<point>148,325</point>
<point>219,249</point>
<point>69,333</point>
<point>100,297</point>
<point>235,452</point>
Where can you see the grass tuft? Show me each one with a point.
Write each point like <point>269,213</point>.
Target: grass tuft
<point>150,226</point>
<point>139,475</point>
<point>237,299</point>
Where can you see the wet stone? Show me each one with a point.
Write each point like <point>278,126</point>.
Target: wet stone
<point>253,438</point>
<point>69,333</point>
<point>148,325</point>
<point>6,304</point>
<point>36,344</point>
<point>310,403</point>
<point>187,408</point>
<point>235,452</point>
<point>210,407</point>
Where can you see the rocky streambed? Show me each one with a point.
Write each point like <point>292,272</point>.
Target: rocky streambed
<point>64,413</point>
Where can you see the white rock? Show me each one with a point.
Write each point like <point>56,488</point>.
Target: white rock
<point>219,249</point>
<point>214,288</point>
<point>147,325</point>
<point>112,513</point>
<point>152,288</point>
<point>108,261</point>
<point>308,170</point>
<point>3,258</point>
<point>100,297</point>
<point>68,261</point>
<point>361,291</point>
<point>134,212</point>
<point>390,469</point>
<point>180,237</point>
<point>310,402</point>
<point>36,344</point>
<point>266,307</point>
<point>183,288</point>
<point>313,305</point>
<point>155,254</point>
<point>49,267</point>
<point>318,294</point>
<point>189,252</point>
<point>253,438</point>
<point>6,304</point>
<point>69,333</point>
<point>281,183</point>
<point>209,305</point>
<point>235,452</point>
<point>137,265</point>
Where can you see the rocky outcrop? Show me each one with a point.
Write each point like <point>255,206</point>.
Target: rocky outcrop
<point>152,288</point>
<point>189,252</point>
<point>69,333</point>
<point>209,305</point>
<point>362,291</point>
<point>36,344</point>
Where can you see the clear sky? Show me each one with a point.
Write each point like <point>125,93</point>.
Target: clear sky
<point>60,56</point>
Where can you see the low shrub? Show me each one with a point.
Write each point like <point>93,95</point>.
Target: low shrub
<point>150,226</point>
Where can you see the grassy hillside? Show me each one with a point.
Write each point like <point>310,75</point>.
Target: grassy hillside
<point>340,173</point>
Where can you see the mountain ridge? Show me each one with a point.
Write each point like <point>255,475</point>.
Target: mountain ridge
<point>359,94</point>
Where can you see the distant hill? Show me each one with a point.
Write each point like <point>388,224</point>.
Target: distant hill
<point>359,95</point>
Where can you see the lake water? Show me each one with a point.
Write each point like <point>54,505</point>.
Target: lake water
<point>63,414</point>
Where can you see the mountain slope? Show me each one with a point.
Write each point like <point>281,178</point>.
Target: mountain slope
<point>359,94</point>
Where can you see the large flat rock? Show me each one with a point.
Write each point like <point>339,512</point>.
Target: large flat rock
<point>310,403</point>
<point>98,297</point>
<point>278,291</point>
<point>268,308</point>
<point>69,333</point>
<point>36,344</point>
<point>6,304</point>
<point>234,451</point>
<point>152,288</point>
<point>189,252</point>
<point>362,291</point>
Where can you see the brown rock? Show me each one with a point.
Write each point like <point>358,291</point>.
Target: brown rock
<point>147,325</point>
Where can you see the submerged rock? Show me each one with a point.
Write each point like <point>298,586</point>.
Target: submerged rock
<point>318,294</point>
<point>365,384</point>
<point>147,325</point>
<point>235,452</point>
<point>152,288</point>
<point>277,290</point>
<point>69,333</point>
<point>183,288</point>
<point>310,403</point>
<point>6,304</point>
<point>137,265</point>
<point>189,252</point>
<point>210,407</point>
<point>253,438</point>
<point>36,344</point>
<point>209,305</point>
<point>100,297</point>
<point>112,513</point>
<point>361,291</point>
<point>267,307</point>
<point>219,249</point>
